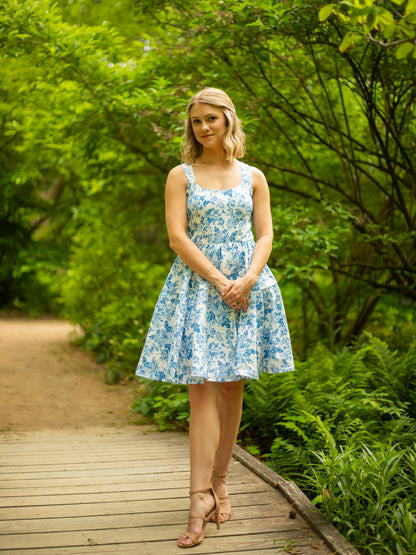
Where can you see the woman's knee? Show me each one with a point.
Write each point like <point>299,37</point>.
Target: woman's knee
<point>231,391</point>
<point>201,394</point>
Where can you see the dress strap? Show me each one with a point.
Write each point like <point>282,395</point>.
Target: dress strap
<point>189,172</point>
<point>246,176</point>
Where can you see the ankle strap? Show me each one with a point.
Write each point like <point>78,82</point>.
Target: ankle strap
<point>204,490</point>
<point>214,473</point>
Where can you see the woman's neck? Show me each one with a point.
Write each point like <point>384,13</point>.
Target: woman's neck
<point>214,157</point>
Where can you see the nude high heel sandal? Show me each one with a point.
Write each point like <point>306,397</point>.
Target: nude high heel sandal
<point>222,498</point>
<point>205,518</point>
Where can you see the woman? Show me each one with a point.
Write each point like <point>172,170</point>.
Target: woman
<point>220,318</point>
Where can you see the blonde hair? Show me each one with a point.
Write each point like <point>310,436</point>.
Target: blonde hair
<point>234,138</point>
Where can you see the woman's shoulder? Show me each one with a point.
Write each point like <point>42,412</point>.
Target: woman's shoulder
<point>176,181</point>
<point>177,174</point>
<point>177,171</point>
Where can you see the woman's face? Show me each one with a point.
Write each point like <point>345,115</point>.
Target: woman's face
<point>208,124</point>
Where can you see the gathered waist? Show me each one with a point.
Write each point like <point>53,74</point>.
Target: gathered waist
<point>233,259</point>
<point>249,242</point>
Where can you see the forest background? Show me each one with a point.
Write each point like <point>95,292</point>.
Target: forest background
<point>92,104</point>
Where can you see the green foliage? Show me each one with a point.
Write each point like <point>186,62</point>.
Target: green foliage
<point>92,99</point>
<point>369,494</point>
<point>387,24</point>
<point>167,405</point>
<point>71,99</point>
<point>353,395</point>
<point>110,291</point>
<point>100,105</point>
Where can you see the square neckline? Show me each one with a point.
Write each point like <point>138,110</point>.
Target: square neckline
<point>219,190</point>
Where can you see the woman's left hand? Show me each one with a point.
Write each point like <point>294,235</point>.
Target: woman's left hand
<point>236,293</point>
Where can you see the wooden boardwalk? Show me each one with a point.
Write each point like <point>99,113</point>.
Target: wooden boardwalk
<point>108,491</point>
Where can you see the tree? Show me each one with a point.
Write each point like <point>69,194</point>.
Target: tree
<point>387,24</point>
<point>71,103</point>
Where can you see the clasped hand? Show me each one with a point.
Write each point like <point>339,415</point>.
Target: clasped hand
<point>235,294</point>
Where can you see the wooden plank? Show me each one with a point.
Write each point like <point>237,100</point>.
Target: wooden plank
<point>106,483</point>
<point>97,497</point>
<point>63,489</point>
<point>265,544</point>
<point>41,474</point>
<point>131,519</point>
<point>87,450</point>
<point>140,533</point>
<point>92,466</point>
<point>179,479</point>
<point>53,442</point>
<point>22,461</point>
<point>115,507</point>
<point>147,481</point>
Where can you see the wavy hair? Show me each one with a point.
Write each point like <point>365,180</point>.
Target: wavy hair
<point>234,138</point>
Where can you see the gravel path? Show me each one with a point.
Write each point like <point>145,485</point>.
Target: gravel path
<point>48,383</point>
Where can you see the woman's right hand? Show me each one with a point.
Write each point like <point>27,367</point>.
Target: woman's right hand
<point>236,301</point>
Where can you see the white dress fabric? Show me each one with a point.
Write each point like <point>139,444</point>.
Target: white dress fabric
<point>194,335</point>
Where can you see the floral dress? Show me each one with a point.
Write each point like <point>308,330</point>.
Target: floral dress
<point>194,335</point>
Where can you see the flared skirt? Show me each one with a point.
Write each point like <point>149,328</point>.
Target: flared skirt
<point>195,336</point>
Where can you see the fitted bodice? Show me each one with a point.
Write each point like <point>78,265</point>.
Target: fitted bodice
<point>219,216</point>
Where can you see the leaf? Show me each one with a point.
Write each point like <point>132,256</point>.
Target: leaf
<point>326,11</point>
<point>347,43</point>
<point>371,19</point>
<point>257,23</point>
<point>390,30</point>
<point>404,49</point>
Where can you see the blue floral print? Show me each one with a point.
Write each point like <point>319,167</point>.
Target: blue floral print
<point>194,335</point>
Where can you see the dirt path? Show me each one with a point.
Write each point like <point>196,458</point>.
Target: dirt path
<point>47,383</point>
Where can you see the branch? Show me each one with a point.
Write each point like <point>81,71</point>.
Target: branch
<point>411,293</point>
<point>387,45</point>
<point>367,265</point>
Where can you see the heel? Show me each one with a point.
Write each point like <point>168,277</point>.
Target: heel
<point>222,499</point>
<point>213,513</point>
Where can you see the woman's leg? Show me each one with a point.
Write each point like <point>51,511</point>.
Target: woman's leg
<point>204,436</point>
<point>230,403</point>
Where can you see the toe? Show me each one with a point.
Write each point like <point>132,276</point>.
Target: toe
<point>185,540</point>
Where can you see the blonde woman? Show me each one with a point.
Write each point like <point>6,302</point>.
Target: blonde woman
<point>219,319</point>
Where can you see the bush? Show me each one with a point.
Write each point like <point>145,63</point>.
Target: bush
<point>110,292</point>
<point>167,404</point>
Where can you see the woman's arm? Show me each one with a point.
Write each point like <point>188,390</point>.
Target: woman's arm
<point>177,221</point>
<point>263,225</point>
<point>238,290</point>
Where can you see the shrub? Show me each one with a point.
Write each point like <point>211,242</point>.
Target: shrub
<point>110,292</point>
